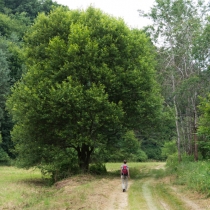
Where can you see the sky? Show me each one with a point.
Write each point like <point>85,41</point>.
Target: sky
<point>126,9</point>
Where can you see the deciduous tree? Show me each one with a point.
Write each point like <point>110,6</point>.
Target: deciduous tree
<point>89,79</point>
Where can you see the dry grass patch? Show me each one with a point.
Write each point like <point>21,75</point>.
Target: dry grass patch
<point>86,192</point>
<point>75,181</point>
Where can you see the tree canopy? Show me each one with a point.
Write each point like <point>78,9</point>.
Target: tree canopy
<point>30,7</point>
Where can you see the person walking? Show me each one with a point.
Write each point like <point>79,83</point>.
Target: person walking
<point>125,174</point>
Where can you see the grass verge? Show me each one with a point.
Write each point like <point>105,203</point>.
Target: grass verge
<point>166,197</point>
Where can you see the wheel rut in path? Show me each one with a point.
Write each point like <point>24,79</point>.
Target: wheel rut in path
<point>148,196</point>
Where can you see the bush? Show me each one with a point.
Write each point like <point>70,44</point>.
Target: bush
<point>59,164</point>
<point>168,148</point>
<point>135,173</point>
<point>58,171</point>
<point>172,160</point>
<point>141,156</point>
<point>4,158</point>
<point>97,168</point>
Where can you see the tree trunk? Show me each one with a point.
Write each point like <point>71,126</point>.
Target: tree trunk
<point>195,137</point>
<point>84,153</point>
<point>178,134</point>
<point>176,121</point>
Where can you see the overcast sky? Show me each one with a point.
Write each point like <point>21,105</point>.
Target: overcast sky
<point>126,9</point>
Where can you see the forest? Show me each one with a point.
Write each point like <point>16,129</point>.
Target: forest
<point>81,87</point>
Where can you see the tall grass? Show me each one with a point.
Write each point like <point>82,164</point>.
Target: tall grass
<point>20,188</point>
<point>196,175</point>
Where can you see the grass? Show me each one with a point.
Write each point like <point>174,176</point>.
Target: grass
<point>196,175</point>
<point>166,194</point>
<point>137,169</point>
<point>25,189</point>
<point>135,196</point>
<point>140,172</point>
<point>160,192</point>
<point>140,165</point>
<point>20,188</point>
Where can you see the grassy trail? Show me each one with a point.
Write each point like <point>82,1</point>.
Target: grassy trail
<point>151,193</point>
<point>21,190</point>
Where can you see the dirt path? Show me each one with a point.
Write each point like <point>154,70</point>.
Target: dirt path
<point>187,200</point>
<point>108,195</point>
<point>101,194</point>
<point>117,199</point>
<point>152,194</point>
<point>157,202</point>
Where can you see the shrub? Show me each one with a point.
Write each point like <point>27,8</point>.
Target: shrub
<point>168,148</point>
<point>4,158</point>
<point>141,156</point>
<point>97,168</point>
<point>59,164</point>
<point>135,173</point>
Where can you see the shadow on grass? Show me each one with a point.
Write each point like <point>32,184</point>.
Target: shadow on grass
<point>38,182</point>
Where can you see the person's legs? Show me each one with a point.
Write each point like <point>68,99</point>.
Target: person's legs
<point>123,182</point>
<point>126,182</point>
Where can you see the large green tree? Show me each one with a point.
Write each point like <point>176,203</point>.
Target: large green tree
<point>89,79</point>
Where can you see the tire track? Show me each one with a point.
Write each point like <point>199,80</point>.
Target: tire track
<point>148,196</point>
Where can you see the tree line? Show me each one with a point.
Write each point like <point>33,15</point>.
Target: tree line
<point>15,19</point>
<point>181,32</point>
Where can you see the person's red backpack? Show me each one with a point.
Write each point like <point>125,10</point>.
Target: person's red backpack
<point>125,170</point>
